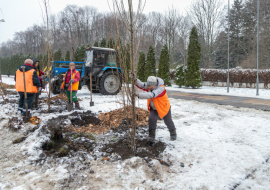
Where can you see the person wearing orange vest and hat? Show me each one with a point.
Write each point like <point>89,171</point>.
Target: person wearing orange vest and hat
<point>72,76</point>
<point>32,85</point>
<point>158,104</point>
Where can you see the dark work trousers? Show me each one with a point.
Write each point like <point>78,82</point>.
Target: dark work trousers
<point>30,97</point>
<point>153,116</point>
<point>35,100</point>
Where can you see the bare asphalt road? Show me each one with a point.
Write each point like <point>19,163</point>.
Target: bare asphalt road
<point>236,101</point>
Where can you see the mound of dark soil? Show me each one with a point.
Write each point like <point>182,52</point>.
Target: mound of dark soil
<point>123,148</point>
<point>68,137</point>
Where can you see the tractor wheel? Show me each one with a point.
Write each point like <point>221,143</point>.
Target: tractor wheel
<point>110,83</point>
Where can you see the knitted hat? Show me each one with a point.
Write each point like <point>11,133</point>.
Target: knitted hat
<point>152,81</point>
<point>28,61</point>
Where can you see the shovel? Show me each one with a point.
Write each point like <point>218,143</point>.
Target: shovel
<point>70,105</point>
<point>91,103</point>
<point>26,118</point>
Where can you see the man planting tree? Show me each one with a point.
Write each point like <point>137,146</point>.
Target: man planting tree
<point>158,104</point>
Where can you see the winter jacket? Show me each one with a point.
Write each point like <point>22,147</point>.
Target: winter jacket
<point>75,77</point>
<point>31,79</point>
<point>39,72</point>
<point>156,98</point>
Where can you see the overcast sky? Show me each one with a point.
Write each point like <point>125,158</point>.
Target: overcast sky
<point>21,14</point>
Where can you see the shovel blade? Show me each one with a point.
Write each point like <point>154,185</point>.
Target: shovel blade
<point>26,119</point>
<point>91,104</point>
<point>70,107</point>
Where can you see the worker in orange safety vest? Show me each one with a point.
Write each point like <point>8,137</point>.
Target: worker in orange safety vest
<point>32,85</point>
<point>158,105</point>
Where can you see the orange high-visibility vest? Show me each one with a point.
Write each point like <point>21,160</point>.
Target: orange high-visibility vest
<point>30,88</point>
<point>75,86</point>
<point>161,103</point>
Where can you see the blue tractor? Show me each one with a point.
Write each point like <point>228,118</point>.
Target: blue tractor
<point>99,68</point>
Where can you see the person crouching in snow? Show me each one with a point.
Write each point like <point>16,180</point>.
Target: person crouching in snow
<point>158,104</point>
<point>72,76</point>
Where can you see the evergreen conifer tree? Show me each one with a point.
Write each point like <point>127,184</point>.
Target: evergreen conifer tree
<point>77,54</point>
<point>193,76</point>
<point>180,75</point>
<point>57,55</point>
<point>82,53</point>
<point>103,43</point>
<point>141,68</point>
<point>111,43</point>
<point>96,44</point>
<point>150,69</point>
<point>164,66</point>
<point>42,63</point>
<point>67,56</point>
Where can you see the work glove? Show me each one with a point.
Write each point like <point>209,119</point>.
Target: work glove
<point>132,76</point>
<point>71,81</point>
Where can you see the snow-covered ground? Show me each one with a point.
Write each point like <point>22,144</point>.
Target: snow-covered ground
<point>218,147</point>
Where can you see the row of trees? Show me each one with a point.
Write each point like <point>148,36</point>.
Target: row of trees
<point>75,26</point>
<point>243,36</point>
<point>185,76</point>
<point>146,64</point>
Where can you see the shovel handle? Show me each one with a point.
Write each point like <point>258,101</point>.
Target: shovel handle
<point>91,86</point>
<point>25,94</point>
<point>71,86</point>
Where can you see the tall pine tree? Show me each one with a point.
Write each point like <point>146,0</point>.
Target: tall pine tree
<point>180,75</point>
<point>237,40</point>
<point>82,53</point>
<point>150,69</point>
<point>193,76</point>
<point>96,44</point>
<point>67,56</point>
<point>57,55</point>
<point>164,66</point>
<point>141,68</point>
<point>111,43</point>
<point>77,54</point>
<point>103,43</point>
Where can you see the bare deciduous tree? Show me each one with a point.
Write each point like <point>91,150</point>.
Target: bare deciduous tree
<point>131,21</point>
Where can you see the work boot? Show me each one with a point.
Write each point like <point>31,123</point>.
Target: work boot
<point>77,105</point>
<point>173,135</point>
<point>151,138</point>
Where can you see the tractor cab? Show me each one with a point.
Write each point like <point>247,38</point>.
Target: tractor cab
<point>102,64</point>
<point>96,57</point>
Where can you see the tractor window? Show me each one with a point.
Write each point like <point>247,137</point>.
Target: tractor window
<point>99,59</point>
<point>88,58</point>
<point>111,60</point>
